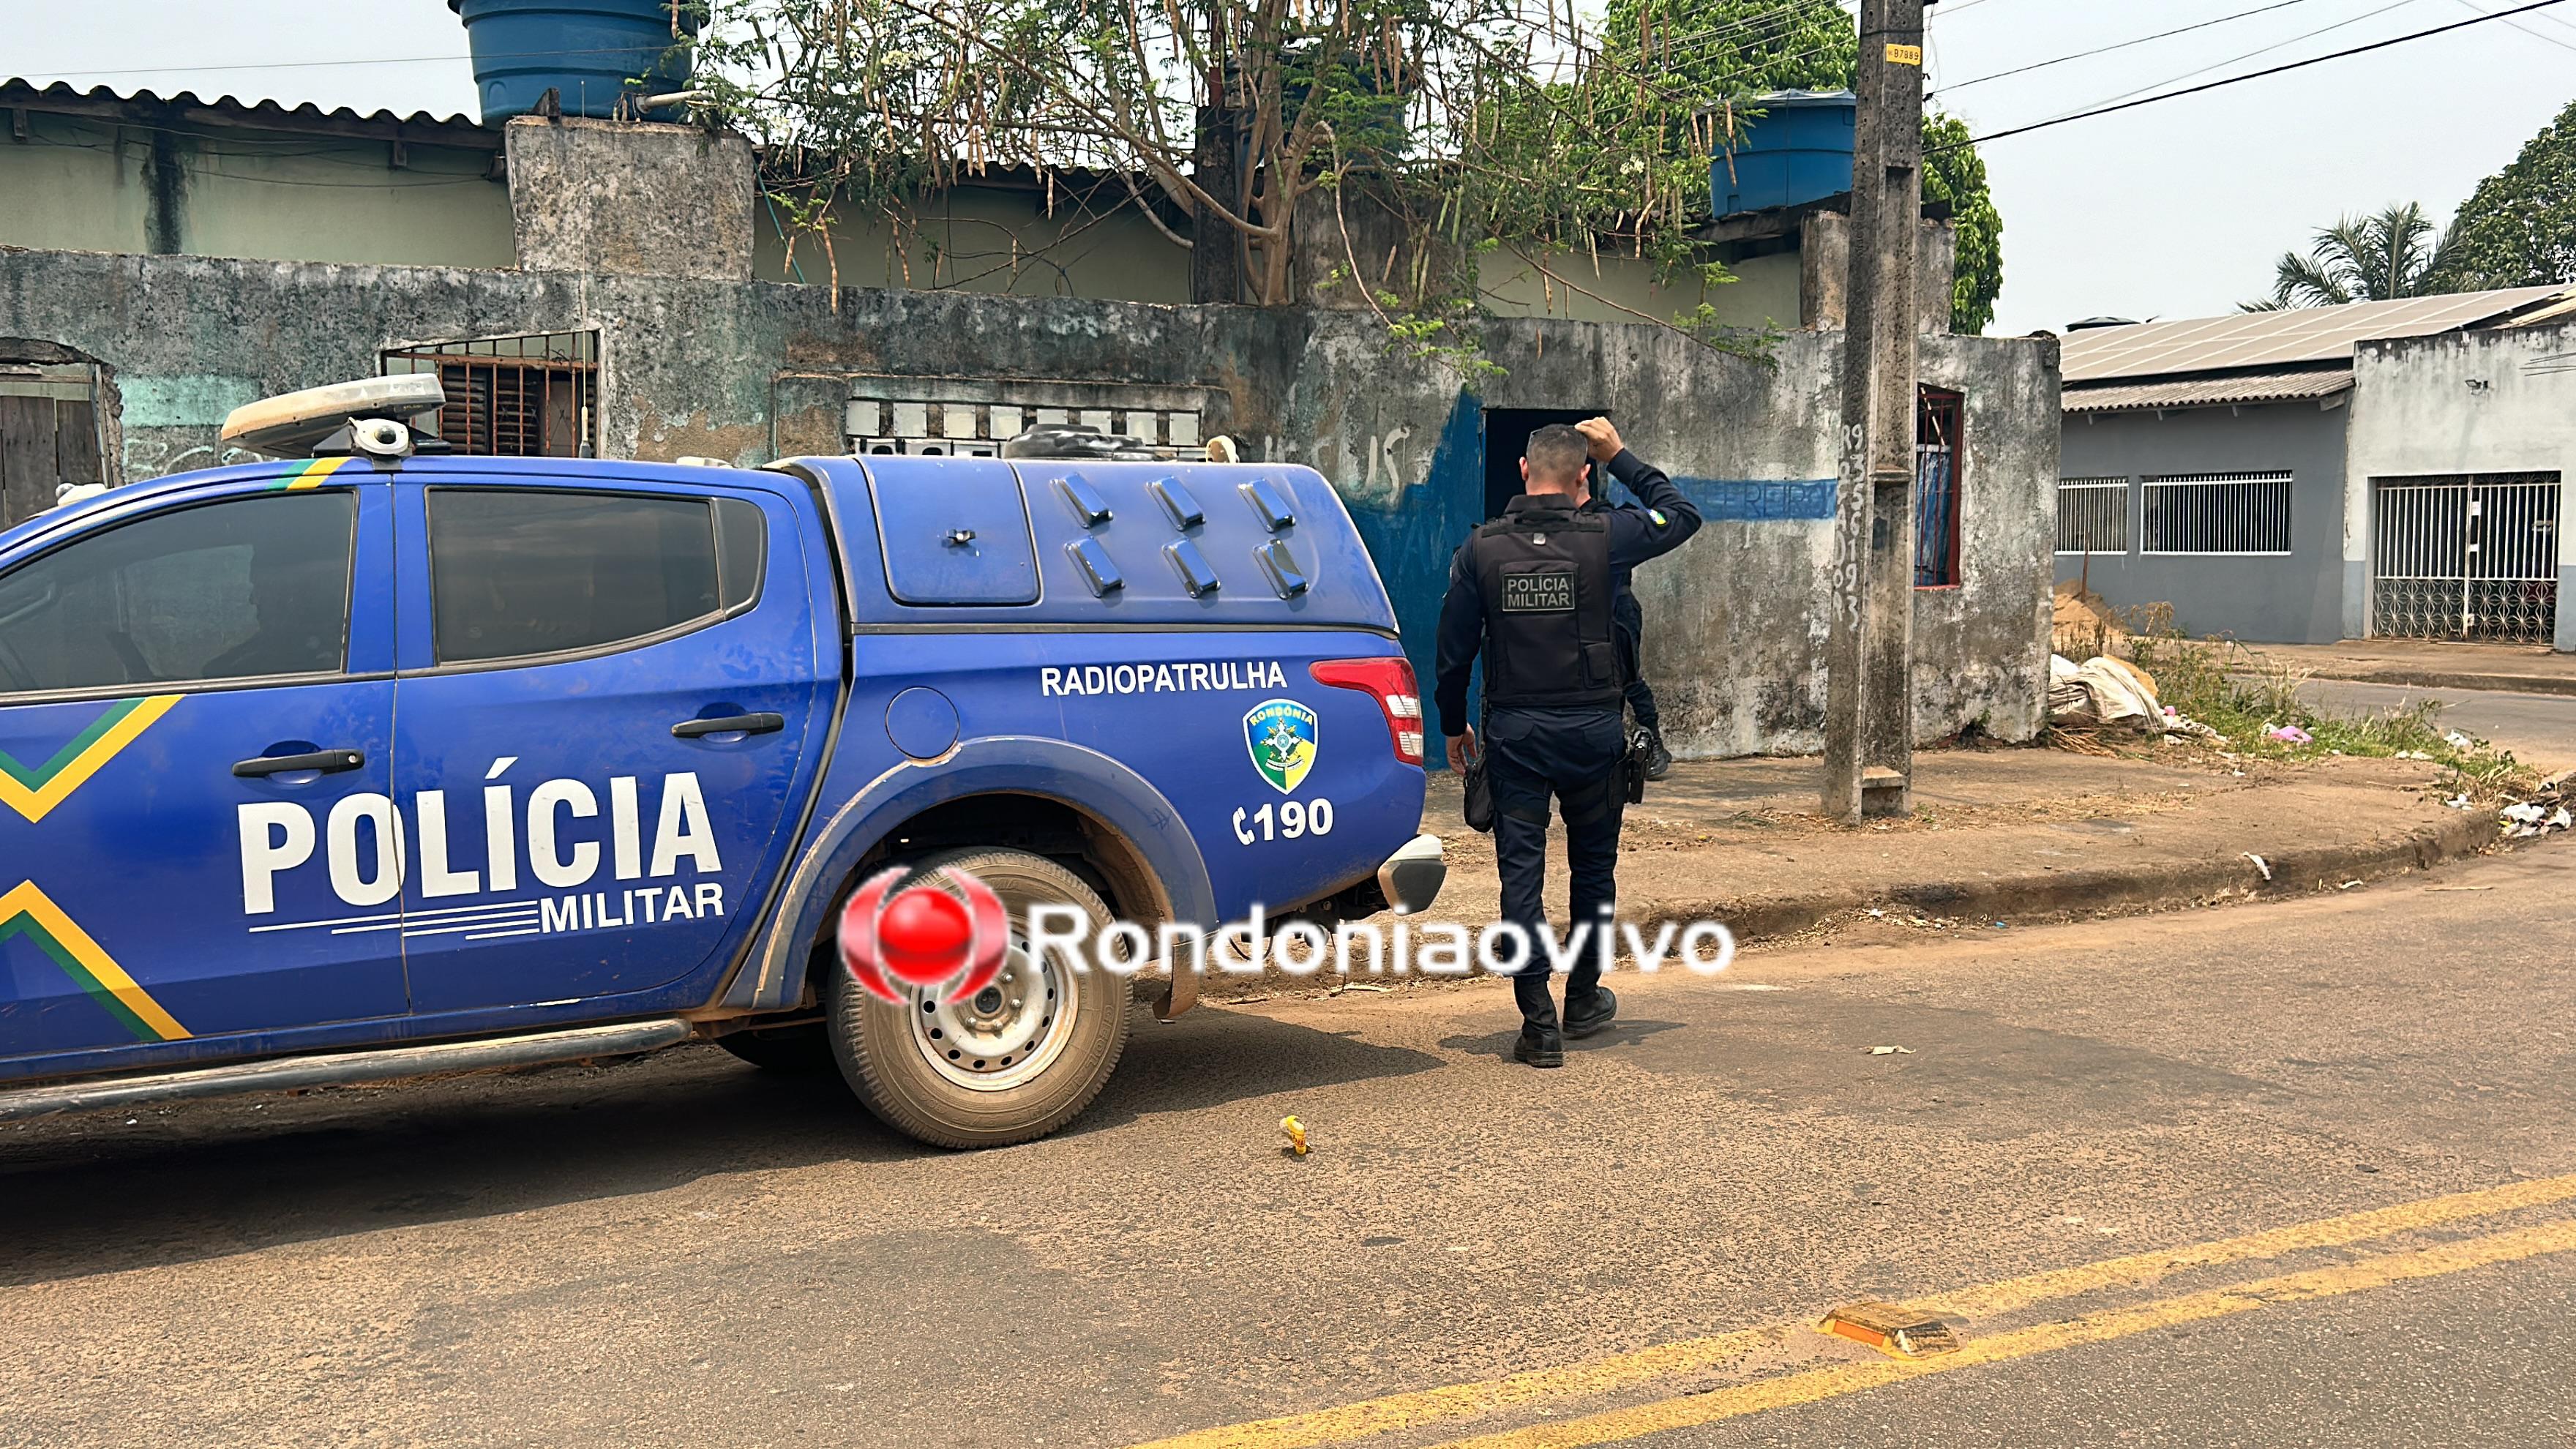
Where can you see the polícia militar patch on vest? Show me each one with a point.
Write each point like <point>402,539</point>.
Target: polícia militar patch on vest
<point>1540,591</point>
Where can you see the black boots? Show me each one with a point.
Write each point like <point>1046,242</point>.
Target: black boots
<point>1539,1048</point>
<point>1585,1018</point>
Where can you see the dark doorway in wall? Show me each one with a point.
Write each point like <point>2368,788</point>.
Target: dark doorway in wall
<point>1937,467</point>
<point>49,430</point>
<point>1507,432</point>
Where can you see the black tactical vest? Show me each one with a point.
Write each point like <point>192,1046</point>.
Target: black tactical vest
<point>1544,571</point>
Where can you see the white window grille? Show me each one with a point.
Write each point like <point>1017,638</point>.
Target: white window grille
<point>2092,515</point>
<point>2215,513</point>
<point>2465,556</point>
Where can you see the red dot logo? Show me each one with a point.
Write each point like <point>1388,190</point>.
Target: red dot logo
<point>924,937</point>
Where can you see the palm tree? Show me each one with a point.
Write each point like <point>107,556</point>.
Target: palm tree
<point>2360,259</point>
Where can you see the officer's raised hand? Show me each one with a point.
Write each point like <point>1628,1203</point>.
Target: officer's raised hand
<point>1462,750</point>
<point>1601,438</point>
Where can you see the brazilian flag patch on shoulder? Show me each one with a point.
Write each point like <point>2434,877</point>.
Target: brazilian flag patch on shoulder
<point>1657,515</point>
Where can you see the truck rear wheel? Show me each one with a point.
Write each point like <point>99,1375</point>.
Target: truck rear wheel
<point>1021,1058</point>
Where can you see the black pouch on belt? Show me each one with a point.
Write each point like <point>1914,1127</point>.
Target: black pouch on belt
<point>1641,749</point>
<point>1480,797</point>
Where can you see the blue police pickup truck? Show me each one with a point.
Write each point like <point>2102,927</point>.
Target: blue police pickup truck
<point>379,762</point>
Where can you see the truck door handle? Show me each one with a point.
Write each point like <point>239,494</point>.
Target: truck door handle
<point>328,762</point>
<point>745,724</point>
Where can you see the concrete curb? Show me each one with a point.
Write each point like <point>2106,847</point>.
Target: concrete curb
<point>2446,679</point>
<point>2062,894</point>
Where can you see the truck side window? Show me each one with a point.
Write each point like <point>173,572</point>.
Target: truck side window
<point>241,589</point>
<point>742,550</point>
<point>519,573</point>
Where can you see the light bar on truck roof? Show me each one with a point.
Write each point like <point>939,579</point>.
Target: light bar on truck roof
<point>288,425</point>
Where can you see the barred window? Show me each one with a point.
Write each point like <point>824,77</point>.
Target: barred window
<point>514,397</point>
<point>2092,515</point>
<point>2216,513</point>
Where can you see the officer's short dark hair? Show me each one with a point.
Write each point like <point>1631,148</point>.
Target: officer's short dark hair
<point>1556,453</point>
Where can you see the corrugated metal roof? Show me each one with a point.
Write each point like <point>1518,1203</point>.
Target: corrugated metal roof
<point>2281,385</point>
<point>16,92</point>
<point>2270,339</point>
<point>2559,311</point>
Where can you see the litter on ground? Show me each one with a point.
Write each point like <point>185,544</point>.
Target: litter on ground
<point>2544,812</point>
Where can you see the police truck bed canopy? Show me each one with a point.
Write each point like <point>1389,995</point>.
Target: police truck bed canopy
<point>986,541</point>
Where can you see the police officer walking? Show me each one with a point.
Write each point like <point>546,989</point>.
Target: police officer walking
<point>1532,592</point>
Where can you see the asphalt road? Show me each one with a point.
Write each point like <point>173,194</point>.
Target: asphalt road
<point>2540,729</point>
<point>2312,1150</point>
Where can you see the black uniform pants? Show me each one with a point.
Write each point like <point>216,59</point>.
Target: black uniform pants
<point>1630,621</point>
<point>1573,755</point>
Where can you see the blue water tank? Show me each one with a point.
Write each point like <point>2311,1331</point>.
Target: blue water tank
<point>1798,150</point>
<point>588,51</point>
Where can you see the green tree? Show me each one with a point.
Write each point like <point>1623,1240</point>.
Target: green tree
<point>2376,258</point>
<point>1955,173</point>
<point>2518,229</point>
<point>1723,52</point>
<point>1470,125</point>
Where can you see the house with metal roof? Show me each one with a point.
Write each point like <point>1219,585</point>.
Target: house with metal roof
<point>2382,469</point>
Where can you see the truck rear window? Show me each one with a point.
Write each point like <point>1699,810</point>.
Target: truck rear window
<point>522,573</point>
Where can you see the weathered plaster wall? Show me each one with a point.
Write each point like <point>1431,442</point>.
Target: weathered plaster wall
<point>2501,401</point>
<point>643,200</point>
<point>88,184</point>
<point>751,370</point>
<point>1001,238</point>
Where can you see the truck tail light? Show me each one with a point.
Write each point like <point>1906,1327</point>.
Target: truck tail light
<point>1390,680</point>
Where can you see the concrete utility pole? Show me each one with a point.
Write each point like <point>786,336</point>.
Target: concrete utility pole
<point>1869,693</point>
<point>1216,262</point>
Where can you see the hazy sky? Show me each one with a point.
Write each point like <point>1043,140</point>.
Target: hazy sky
<point>2174,210</point>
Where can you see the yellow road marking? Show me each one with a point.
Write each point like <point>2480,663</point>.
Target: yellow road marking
<point>1691,1355</point>
<point>1817,1384</point>
<point>2012,1293</point>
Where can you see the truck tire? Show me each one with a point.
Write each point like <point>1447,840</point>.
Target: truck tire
<point>1017,1062</point>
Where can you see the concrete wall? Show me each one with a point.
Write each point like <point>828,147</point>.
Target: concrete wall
<point>1735,623</point>
<point>998,238</point>
<point>1824,271</point>
<point>1763,294</point>
<point>2501,401</point>
<point>2296,598</point>
<point>88,184</point>
<point>642,200</point>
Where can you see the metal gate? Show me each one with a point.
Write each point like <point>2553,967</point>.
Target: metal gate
<point>2465,556</point>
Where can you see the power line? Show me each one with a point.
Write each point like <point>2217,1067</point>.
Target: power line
<point>1781,18</point>
<point>2254,75</point>
<point>2120,45</point>
<point>2527,30</point>
<point>2201,70</point>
